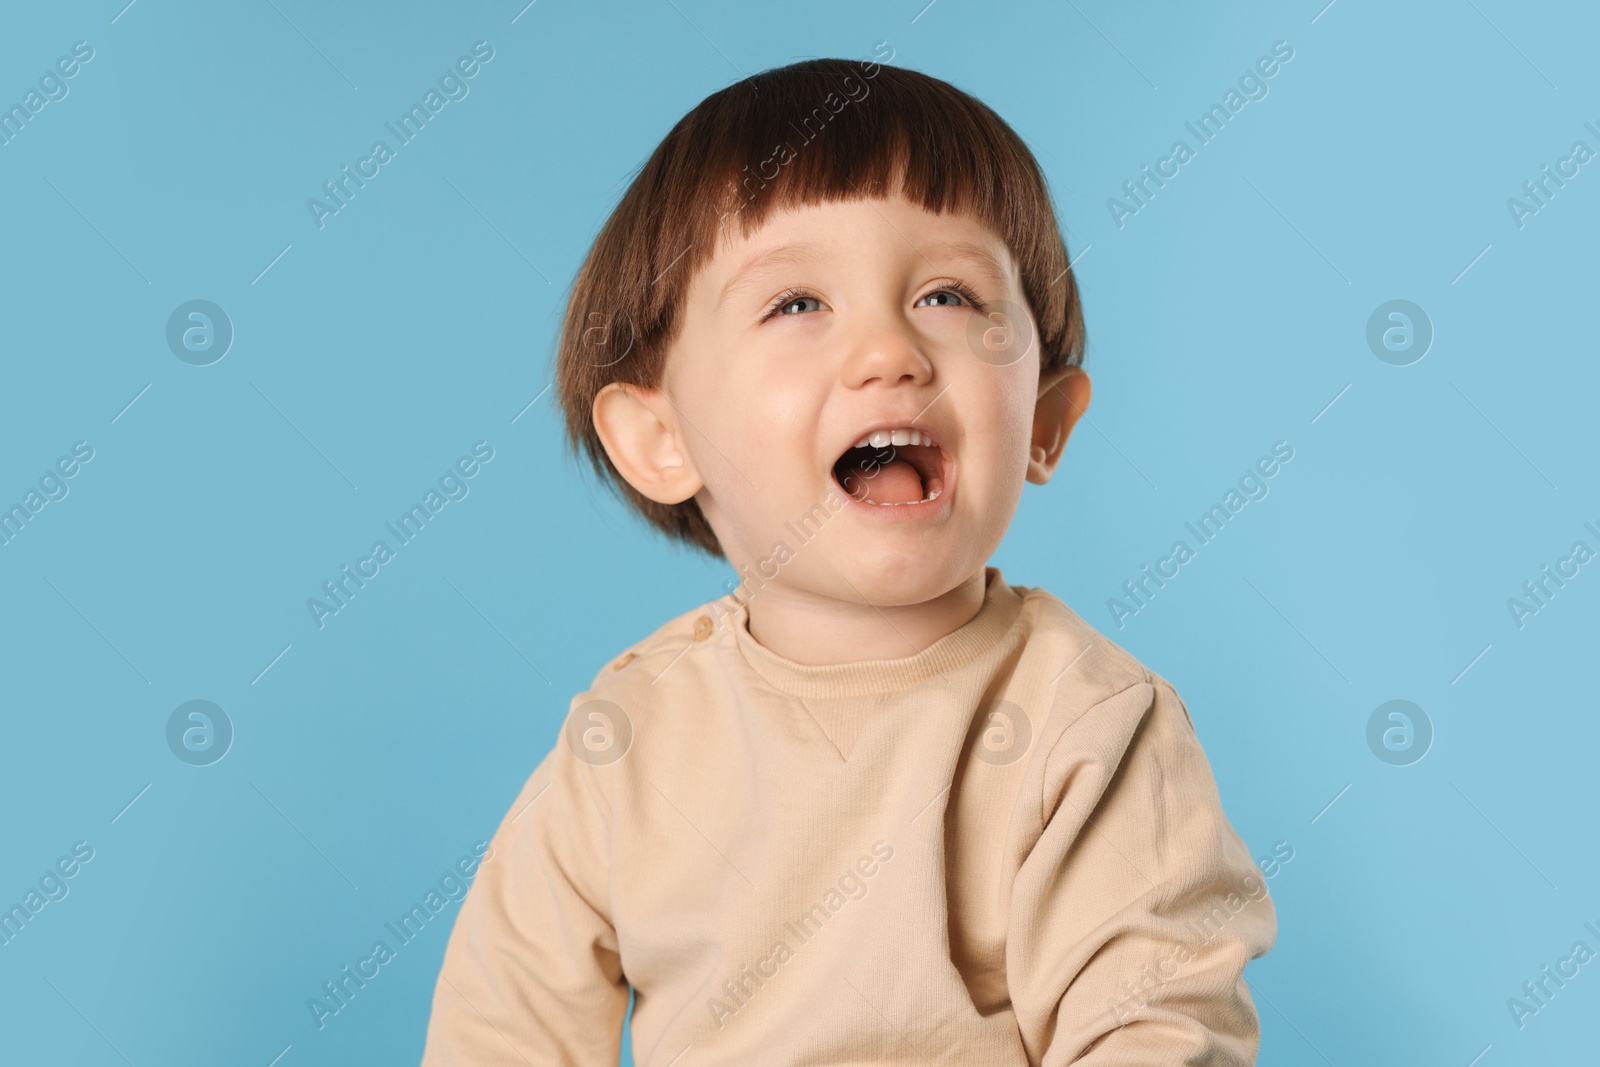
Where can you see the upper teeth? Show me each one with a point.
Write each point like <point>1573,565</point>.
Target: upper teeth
<point>883,438</point>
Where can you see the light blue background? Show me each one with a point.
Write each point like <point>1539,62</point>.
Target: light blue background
<point>1226,315</point>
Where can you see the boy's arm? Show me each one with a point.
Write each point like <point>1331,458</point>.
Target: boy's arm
<point>531,974</point>
<point>1136,911</point>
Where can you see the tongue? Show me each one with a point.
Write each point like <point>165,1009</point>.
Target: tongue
<point>896,482</point>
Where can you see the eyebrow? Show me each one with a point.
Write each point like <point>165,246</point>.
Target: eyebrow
<point>761,262</point>
<point>973,255</point>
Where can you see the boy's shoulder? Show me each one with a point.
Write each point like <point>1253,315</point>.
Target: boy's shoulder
<point>650,656</point>
<point>1092,664</point>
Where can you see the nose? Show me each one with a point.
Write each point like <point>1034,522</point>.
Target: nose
<point>887,354</point>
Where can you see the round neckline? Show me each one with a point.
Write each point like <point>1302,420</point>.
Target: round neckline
<point>1000,611</point>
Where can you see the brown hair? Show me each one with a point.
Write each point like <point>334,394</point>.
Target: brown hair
<point>882,128</point>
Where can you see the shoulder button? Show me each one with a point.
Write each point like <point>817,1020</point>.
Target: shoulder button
<point>702,628</point>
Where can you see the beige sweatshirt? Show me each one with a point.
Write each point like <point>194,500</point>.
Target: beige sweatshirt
<point>1007,848</point>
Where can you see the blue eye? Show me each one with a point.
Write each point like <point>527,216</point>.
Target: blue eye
<point>955,289</point>
<point>788,301</point>
<point>951,293</point>
<point>782,305</point>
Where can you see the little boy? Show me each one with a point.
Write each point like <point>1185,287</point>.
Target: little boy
<point>876,805</point>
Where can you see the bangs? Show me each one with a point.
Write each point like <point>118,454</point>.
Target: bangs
<point>817,134</point>
<point>830,129</point>
<point>811,132</point>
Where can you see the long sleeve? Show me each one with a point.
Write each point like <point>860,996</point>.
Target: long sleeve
<point>1135,912</point>
<point>531,974</point>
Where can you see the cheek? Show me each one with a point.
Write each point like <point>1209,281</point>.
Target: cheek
<point>728,458</point>
<point>1002,417</point>
<point>749,445</point>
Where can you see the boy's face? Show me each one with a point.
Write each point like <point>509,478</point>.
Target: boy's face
<point>830,322</point>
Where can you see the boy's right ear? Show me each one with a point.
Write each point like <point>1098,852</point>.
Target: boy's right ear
<point>639,430</point>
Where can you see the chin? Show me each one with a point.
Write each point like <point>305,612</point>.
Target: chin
<point>898,575</point>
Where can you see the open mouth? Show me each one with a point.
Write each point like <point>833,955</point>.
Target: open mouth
<point>893,468</point>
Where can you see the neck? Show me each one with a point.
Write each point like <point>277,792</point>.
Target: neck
<point>814,629</point>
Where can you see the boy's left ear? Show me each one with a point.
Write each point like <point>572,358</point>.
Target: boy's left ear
<point>1063,396</point>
